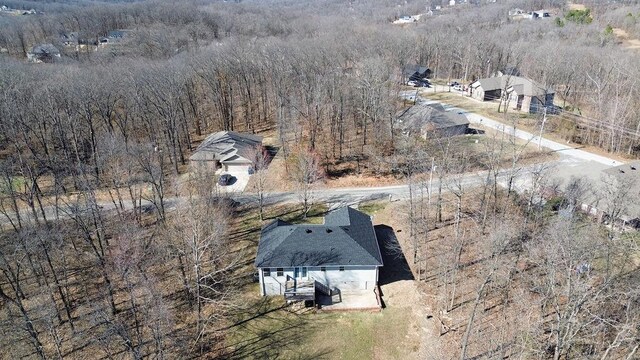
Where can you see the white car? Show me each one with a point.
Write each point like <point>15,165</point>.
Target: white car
<point>458,87</point>
<point>412,83</point>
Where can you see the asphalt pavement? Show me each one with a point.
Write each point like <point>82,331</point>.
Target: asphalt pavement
<point>572,162</point>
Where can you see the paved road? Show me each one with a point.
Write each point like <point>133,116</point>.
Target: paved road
<point>572,163</point>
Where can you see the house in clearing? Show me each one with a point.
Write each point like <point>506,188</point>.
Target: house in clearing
<point>46,53</point>
<point>488,89</point>
<point>304,262</point>
<point>523,94</point>
<point>432,121</point>
<point>624,182</point>
<point>414,72</point>
<point>228,150</point>
<point>528,96</point>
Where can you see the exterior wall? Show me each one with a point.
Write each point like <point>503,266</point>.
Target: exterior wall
<point>478,93</point>
<point>549,100</point>
<point>526,104</point>
<point>353,277</point>
<point>236,168</point>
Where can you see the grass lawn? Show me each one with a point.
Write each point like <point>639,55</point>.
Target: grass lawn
<point>276,331</point>
<point>17,182</point>
<point>372,207</point>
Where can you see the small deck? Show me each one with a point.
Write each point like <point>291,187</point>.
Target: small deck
<point>331,300</point>
<point>295,290</point>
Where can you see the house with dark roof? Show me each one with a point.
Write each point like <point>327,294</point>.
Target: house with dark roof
<point>414,72</point>
<point>302,261</point>
<point>229,150</point>
<point>523,94</point>
<point>43,53</point>
<point>432,121</point>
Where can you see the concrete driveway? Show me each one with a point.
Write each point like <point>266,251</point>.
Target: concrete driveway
<point>241,178</point>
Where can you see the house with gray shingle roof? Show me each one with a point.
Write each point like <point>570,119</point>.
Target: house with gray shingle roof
<point>227,149</point>
<point>523,94</point>
<point>43,53</point>
<point>299,260</point>
<point>432,121</point>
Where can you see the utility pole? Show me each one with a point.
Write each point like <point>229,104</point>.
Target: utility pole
<point>544,119</point>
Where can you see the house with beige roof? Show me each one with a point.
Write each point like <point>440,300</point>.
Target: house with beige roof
<point>523,94</point>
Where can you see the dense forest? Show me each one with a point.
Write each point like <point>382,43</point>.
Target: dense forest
<point>117,123</point>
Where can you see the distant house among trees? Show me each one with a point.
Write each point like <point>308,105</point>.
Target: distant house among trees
<point>304,261</point>
<point>227,150</point>
<point>46,53</point>
<point>432,121</point>
<point>622,205</point>
<point>523,94</point>
<point>414,72</point>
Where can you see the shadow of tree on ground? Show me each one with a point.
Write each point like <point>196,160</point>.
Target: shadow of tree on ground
<point>268,329</point>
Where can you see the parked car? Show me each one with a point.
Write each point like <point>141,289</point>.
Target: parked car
<point>453,83</point>
<point>424,84</point>
<point>458,87</point>
<point>225,179</point>
<point>412,83</point>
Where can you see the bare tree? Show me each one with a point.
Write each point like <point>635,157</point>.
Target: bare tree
<point>306,172</point>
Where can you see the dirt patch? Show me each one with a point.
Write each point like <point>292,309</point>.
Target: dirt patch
<point>576,6</point>
<point>399,288</point>
<point>626,40</point>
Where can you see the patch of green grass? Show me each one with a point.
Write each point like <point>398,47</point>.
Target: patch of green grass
<point>17,182</point>
<point>315,215</point>
<point>372,207</point>
<point>273,330</point>
<point>359,335</point>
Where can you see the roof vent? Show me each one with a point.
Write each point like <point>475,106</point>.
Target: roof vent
<point>633,167</point>
<point>308,231</point>
<point>329,231</point>
<point>622,171</point>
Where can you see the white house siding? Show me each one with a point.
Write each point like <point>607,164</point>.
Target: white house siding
<point>236,168</point>
<point>352,278</point>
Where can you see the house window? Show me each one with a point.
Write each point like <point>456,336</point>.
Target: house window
<point>304,272</point>
<point>280,272</point>
<point>323,268</point>
<point>266,272</point>
<point>341,268</point>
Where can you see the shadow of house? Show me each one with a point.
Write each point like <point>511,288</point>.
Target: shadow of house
<point>396,267</point>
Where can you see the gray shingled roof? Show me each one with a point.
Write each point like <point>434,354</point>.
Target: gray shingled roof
<point>44,49</point>
<point>226,147</point>
<point>346,238</point>
<point>430,117</point>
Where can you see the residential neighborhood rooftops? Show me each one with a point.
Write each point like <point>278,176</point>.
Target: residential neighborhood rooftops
<point>347,238</point>
<point>227,146</point>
